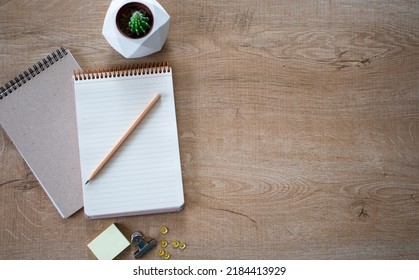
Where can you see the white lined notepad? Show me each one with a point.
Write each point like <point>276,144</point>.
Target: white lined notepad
<point>144,176</point>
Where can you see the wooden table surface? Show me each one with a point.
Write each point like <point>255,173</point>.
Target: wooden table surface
<point>298,124</point>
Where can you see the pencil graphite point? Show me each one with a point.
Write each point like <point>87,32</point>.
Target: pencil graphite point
<point>87,182</point>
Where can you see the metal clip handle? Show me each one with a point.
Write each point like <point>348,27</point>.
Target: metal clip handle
<point>137,239</point>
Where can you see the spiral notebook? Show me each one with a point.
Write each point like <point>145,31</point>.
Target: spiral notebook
<point>37,112</point>
<point>144,176</point>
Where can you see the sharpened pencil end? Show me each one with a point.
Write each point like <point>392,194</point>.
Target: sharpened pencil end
<point>87,182</point>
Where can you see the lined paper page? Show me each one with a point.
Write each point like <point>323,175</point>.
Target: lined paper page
<point>144,175</point>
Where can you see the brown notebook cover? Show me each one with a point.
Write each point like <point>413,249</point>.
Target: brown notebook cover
<point>37,112</point>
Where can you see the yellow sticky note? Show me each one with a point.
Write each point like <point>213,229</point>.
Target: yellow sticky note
<point>109,243</point>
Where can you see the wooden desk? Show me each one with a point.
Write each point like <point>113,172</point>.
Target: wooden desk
<point>298,127</point>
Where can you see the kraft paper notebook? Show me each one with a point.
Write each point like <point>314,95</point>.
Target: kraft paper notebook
<point>144,176</point>
<point>37,112</point>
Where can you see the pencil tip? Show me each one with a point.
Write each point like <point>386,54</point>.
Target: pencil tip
<point>87,182</point>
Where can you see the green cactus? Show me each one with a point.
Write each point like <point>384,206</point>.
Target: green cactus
<point>139,23</point>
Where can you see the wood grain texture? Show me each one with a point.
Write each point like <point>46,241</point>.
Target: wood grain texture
<point>298,126</point>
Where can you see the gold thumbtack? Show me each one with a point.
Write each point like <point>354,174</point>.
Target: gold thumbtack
<point>164,230</point>
<point>164,243</point>
<point>175,244</point>
<point>166,256</point>
<point>182,245</point>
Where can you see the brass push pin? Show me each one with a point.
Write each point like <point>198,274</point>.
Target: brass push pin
<point>164,230</point>
<point>160,252</point>
<point>164,243</point>
<point>175,244</point>
<point>166,256</point>
<point>182,245</point>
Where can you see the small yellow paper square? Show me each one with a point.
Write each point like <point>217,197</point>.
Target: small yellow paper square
<point>109,243</point>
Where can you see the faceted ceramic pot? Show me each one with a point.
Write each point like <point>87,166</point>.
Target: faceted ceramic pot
<point>129,46</point>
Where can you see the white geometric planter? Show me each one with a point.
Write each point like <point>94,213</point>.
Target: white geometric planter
<point>133,48</point>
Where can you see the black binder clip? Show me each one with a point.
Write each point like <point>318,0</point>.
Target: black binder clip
<point>137,239</point>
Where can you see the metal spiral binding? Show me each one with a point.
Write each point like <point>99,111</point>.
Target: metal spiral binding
<point>27,75</point>
<point>122,71</point>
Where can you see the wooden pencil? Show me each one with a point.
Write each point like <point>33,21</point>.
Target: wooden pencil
<point>124,137</point>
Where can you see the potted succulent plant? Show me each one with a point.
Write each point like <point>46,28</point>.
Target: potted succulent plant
<point>134,20</point>
<point>136,28</point>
